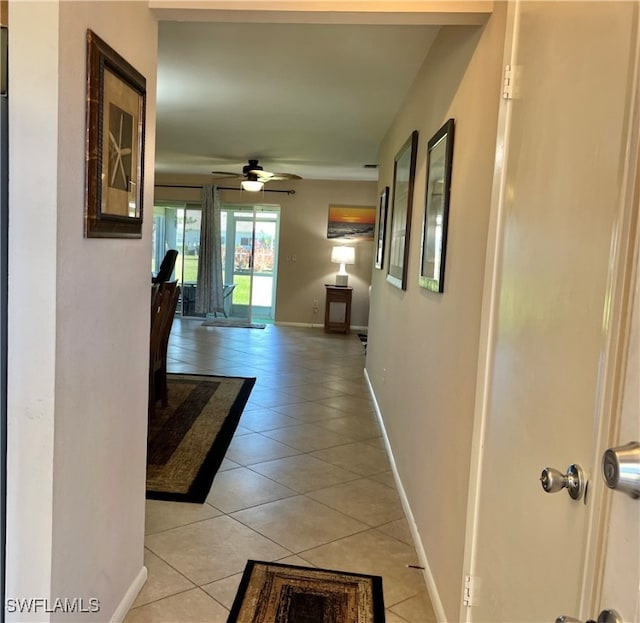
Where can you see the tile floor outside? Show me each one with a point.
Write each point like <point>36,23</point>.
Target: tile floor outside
<point>305,480</point>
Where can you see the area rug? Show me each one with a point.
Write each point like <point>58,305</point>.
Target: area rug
<point>187,440</point>
<point>232,322</point>
<point>270,592</point>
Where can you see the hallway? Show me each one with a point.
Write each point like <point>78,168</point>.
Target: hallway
<point>305,481</point>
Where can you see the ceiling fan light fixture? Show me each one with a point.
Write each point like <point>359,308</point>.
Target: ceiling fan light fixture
<point>252,186</point>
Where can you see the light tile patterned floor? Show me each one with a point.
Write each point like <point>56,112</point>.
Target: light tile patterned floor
<point>305,480</point>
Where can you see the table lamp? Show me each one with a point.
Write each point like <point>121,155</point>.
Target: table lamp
<point>343,256</point>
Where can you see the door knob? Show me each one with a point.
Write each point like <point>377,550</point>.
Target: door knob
<point>606,616</point>
<point>609,616</point>
<point>621,468</point>
<point>573,481</point>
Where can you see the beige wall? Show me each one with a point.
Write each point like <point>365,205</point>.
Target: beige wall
<point>423,346</point>
<point>303,236</point>
<point>78,324</point>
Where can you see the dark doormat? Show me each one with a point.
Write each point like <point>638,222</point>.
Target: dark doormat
<point>270,592</point>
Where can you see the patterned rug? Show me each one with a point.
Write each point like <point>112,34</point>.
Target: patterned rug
<point>270,592</point>
<point>187,440</point>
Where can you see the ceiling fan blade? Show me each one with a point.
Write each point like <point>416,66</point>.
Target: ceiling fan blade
<point>226,174</point>
<point>285,176</point>
<point>268,176</point>
<point>263,176</point>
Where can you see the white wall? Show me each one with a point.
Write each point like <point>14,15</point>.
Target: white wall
<point>78,325</point>
<point>33,183</point>
<point>423,346</point>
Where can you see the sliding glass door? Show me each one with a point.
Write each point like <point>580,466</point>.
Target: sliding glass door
<point>249,252</point>
<point>177,226</point>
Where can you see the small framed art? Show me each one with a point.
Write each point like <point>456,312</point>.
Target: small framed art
<point>382,226</point>
<point>351,222</point>
<point>116,97</point>
<point>404,172</point>
<point>436,211</point>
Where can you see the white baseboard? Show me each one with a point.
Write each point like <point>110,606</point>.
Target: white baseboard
<point>436,602</point>
<point>129,597</point>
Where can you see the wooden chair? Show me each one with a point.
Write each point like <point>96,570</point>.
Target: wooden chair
<point>163,309</point>
<point>155,293</point>
<point>166,267</point>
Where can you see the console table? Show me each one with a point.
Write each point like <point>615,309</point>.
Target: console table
<point>337,309</point>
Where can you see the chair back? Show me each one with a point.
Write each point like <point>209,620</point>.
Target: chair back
<point>163,308</point>
<point>162,312</point>
<point>166,267</point>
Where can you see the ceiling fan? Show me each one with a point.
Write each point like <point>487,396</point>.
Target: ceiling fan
<point>254,176</point>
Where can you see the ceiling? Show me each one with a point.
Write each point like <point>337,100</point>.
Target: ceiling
<point>309,99</point>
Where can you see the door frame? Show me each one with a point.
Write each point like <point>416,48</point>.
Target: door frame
<point>4,293</point>
<point>616,319</point>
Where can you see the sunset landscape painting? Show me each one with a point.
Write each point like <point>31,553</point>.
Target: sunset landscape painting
<point>351,222</point>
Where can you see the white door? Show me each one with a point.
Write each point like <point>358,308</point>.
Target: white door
<point>549,329</point>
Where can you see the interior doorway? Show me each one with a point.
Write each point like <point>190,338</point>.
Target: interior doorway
<point>250,236</point>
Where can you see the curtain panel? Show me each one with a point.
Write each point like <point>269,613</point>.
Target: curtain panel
<point>209,291</point>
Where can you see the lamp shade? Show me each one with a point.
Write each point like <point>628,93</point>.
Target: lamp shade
<point>251,185</point>
<point>343,255</point>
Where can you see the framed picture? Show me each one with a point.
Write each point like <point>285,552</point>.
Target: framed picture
<point>382,226</point>
<point>116,98</point>
<point>404,172</point>
<point>436,211</point>
<point>351,222</point>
